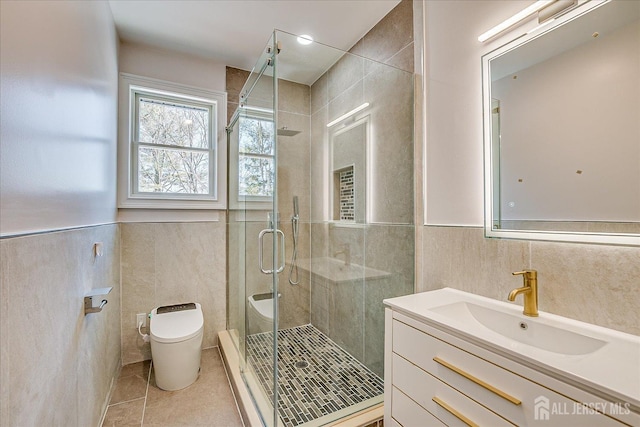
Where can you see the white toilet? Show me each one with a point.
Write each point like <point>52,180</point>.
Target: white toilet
<point>260,313</point>
<point>176,344</point>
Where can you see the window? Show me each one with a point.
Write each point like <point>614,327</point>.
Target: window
<point>172,147</point>
<point>173,156</point>
<point>252,160</point>
<point>256,165</point>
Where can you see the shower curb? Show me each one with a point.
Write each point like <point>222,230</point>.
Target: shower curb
<point>248,412</point>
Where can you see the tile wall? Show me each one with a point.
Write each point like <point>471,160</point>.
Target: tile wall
<point>171,263</point>
<point>352,313</point>
<point>293,180</point>
<point>592,283</point>
<point>56,363</point>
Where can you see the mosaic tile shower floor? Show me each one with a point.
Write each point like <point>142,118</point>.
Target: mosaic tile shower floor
<point>333,379</point>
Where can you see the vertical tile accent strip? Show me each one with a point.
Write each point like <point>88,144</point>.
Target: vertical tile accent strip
<point>347,194</point>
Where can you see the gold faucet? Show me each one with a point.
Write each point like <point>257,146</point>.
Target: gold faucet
<point>530,291</point>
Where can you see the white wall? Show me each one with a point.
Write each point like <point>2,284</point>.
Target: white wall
<point>592,283</point>
<point>58,62</point>
<point>555,119</point>
<point>454,170</point>
<point>178,68</point>
<point>58,167</point>
<point>172,66</point>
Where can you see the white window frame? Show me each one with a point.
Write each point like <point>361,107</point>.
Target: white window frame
<point>128,197</point>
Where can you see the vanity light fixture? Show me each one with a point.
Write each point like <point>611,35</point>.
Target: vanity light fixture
<point>544,24</point>
<point>347,115</point>
<point>305,39</point>
<point>515,19</point>
<point>548,14</point>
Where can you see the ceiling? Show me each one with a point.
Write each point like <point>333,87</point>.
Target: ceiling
<point>235,32</point>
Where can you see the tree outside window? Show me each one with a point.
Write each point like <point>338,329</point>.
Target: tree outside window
<point>173,144</point>
<point>256,165</point>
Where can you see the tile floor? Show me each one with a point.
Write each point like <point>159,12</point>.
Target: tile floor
<point>316,376</point>
<point>137,401</point>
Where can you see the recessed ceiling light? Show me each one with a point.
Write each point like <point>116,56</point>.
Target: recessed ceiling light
<point>305,39</point>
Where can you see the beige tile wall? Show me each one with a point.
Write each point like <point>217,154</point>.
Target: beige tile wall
<point>352,313</point>
<point>391,40</point>
<point>354,80</point>
<point>391,144</point>
<point>293,180</point>
<point>235,79</point>
<point>244,272</point>
<point>597,284</point>
<point>58,364</point>
<point>302,167</point>
<point>171,263</point>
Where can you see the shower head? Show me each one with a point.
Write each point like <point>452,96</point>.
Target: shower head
<point>296,210</point>
<point>283,131</point>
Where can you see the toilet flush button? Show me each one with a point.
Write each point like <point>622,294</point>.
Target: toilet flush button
<point>176,307</point>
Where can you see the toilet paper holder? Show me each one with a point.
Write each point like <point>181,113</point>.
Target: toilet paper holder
<point>92,302</point>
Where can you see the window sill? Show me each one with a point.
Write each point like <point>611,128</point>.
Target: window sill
<point>173,204</point>
<point>169,215</point>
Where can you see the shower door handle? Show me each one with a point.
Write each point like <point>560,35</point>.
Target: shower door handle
<point>260,251</point>
<point>281,234</point>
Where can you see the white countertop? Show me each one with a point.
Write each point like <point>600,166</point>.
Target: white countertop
<point>613,368</point>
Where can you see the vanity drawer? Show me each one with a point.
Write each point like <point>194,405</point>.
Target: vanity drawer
<point>503,392</point>
<point>407,413</point>
<point>444,402</point>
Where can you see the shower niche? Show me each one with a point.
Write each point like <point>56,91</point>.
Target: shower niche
<point>348,154</point>
<point>344,195</point>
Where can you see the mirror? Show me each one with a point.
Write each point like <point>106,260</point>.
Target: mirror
<point>562,129</point>
<point>349,173</point>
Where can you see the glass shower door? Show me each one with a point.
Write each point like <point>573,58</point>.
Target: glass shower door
<point>254,235</point>
<point>320,151</point>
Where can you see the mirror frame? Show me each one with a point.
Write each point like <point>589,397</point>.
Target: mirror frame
<point>627,239</point>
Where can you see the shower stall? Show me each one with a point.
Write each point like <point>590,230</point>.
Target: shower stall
<point>319,227</point>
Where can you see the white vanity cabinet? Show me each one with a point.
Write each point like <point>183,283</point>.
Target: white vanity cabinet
<point>434,378</point>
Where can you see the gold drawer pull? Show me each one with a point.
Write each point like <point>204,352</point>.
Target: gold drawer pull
<point>453,412</point>
<point>478,381</point>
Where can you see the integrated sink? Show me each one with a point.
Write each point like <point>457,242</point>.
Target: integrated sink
<point>522,330</point>
<point>601,359</point>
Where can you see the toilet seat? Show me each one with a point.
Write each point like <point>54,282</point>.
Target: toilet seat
<point>176,326</point>
<point>264,307</point>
